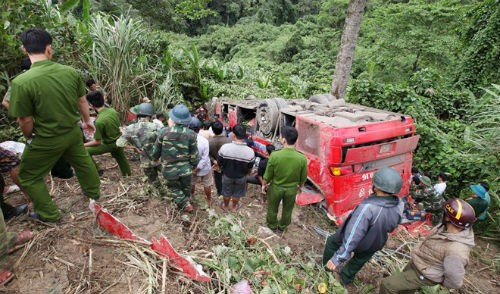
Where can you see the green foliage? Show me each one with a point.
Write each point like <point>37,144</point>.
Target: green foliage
<point>404,38</point>
<point>483,135</point>
<point>9,130</point>
<point>332,13</point>
<point>484,130</point>
<point>115,59</point>
<point>450,103</point>
<point>244,256</point>
<point>85,8</point>
<point>277,12</point>
<point>481,41</point>
<point>63,29</point>
<point>193,9</point>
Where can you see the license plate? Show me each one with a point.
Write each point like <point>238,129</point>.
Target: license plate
<point>385,148</point>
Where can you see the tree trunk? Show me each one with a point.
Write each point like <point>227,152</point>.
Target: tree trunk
<point>347,47</point>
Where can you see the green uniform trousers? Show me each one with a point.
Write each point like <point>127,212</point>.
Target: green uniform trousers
<point>7,239</point>
<point>116,152</point>
<point>179,190</point>
<point>408,281</point>
<point>38,159</point>
<point>276,194</point>
<point>352,267</point>
<point>152,173</point>
<point>153,179</point>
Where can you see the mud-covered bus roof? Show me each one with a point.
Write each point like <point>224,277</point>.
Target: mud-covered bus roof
<point>340,114</point>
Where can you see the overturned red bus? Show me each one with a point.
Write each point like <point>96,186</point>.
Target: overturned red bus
<point>344,143</point>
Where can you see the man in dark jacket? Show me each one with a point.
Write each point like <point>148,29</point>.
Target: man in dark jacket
<point>366,229</point>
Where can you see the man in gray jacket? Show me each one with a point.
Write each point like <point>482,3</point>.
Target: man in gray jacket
<point>440,258</point>
<point>366,229</point>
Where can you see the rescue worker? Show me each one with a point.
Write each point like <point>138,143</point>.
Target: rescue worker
<point>431,201</point>
<point>48,100</point>
<point>285,175</point>
<point>441,257</point>
<point>203,171</point>
<point>142,136</point>
<point>92,85</point>
<point>61,169</point>
<point>107,126</point>
<point>366,229</point>
<point>480,200</point>
<point>176,147</point>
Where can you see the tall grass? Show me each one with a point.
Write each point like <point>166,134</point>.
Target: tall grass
<point>115,58</point>
<point>484,135</point>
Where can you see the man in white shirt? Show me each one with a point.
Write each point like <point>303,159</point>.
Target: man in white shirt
<point>159,119</point>
<point>441,186</point>
<point>203,171</point>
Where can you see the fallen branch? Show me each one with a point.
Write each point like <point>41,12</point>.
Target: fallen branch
<point>163,276</point>
<point>90,264</point>
<point>270,250</point>
<point>64,261</point>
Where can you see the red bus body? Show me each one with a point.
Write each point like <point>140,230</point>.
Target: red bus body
<point>344,147</point>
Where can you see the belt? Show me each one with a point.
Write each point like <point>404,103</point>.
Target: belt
<point>285,187</point>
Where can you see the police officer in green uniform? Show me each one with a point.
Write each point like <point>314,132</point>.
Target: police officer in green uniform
<point>142,135</point>
<point>286,172</point>
<point>48,100</point>
<point>107,127</point>
<point>176,147</point>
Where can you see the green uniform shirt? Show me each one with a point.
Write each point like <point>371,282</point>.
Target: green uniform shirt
<point>430,199</point>
<point>107,126</point>
<point>177,148</point>
<point>478,204</point>
<point>286,168</point>
<point>142,135</point>
<point>50,93</point>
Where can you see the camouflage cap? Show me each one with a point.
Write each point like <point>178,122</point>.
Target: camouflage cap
<point>426,181</point>
<point>143,109</point>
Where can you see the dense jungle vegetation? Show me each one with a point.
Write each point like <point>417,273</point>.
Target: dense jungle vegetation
<point>436,60</point>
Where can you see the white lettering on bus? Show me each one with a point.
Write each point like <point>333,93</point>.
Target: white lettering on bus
<point>361,192</point>
<point>365,177</point>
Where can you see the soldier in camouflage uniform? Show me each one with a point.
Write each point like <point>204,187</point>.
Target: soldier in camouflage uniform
<point>177,148</point>
<point>429,198</point>
<point>142,135</point>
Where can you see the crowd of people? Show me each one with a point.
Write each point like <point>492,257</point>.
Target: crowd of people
<point>183,150</point>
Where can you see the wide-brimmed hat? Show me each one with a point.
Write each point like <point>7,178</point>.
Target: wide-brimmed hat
<point>479,190</point>
<point>143,109</point>
<point>180,114</point>
<point>426,181</point>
